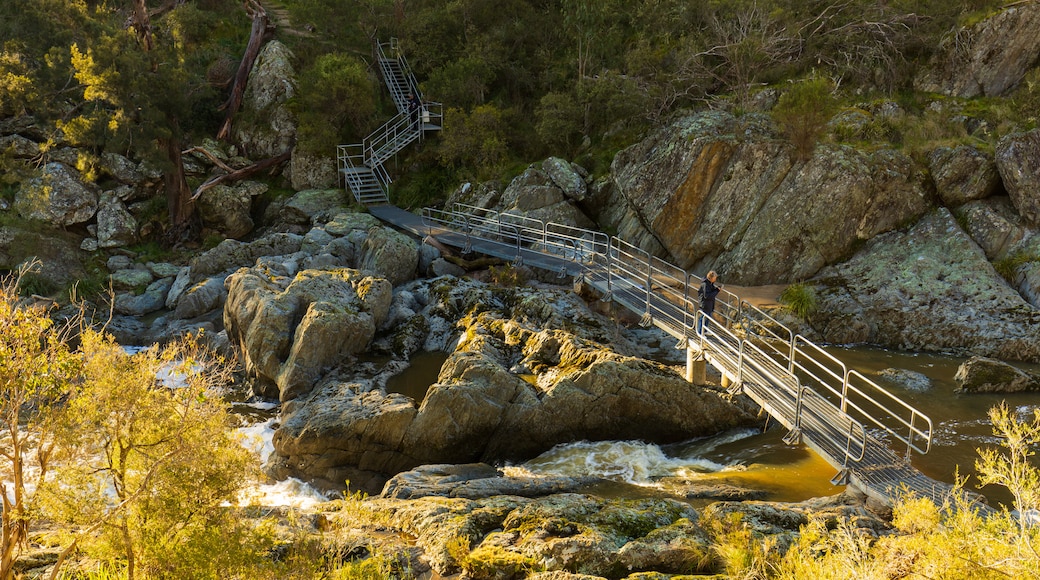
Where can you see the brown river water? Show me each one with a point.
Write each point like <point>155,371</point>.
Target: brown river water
<point>760,459</point>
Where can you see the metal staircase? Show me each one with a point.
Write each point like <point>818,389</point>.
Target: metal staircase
<point>361,165</point>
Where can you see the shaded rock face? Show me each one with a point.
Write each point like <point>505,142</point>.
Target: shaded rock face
<point>988,59</point>
<point>481,409</point>
<point>228,209</point>
<point>292,331</point>
<point>929,288</point>
<point>1018,159</point>
<point>986,375</point>
<point>270,87</point>
<point>962,174</point>
<point>730,197</point>
<point>550,191</point>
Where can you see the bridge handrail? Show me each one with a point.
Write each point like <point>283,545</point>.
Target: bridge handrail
<point>645,273</point>
<point>911,424</point>
<point>853,424</point>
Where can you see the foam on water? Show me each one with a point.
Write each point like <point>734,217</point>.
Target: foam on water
<point>633,462</point>
<point>292,492</point>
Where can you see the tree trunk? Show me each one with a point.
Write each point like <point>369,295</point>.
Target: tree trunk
<point>178,195</point>
<point>244,172</point>
<point>256,37</point>
<point>143,25</point>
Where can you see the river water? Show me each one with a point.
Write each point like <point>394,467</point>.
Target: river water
<point>760,459</point>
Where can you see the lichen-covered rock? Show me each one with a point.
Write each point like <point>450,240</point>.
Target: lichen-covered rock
<point>391,254</point>
<point>307,205</point>
<point>228,209</point>
<point>272,83</point>
<point>292,331</point>
<point>564,175</point>
<point>724,194</point>
<point>120,168</point>
<point>994,225</point>
<point>988,59</point>
<point>116,227</point>
<point>57,196</point>
<point>928,288</point>
<point>310,171</point>
<point>986,375</point>
<point>475,481</point>
<point>19,146</point>
<point>1018,159</point>
<point>962,174</point>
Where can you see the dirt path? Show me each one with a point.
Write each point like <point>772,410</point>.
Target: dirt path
<point>758,295</point>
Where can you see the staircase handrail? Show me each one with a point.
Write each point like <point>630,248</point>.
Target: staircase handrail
<point>389,138</point>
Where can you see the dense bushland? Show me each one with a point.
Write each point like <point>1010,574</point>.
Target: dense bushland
<point>520,79</point>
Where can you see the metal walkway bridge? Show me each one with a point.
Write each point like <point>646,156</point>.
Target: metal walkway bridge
<point>849,420</point>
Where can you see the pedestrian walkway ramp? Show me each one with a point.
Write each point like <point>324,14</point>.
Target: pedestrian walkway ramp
<point>865,431</point>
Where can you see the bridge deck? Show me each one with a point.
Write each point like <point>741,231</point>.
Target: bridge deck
<point>860,454</point>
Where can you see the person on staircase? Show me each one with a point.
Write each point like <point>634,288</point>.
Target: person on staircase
<point>707,293</point>
<point>413,110</point>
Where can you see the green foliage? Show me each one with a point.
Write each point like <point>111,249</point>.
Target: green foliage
<point>803,112</point>
<point>1012,467</point>
<point>490,561</point>
<point>507,276</point>
<point>799,298</point>
<point>140,425</point>
<point>476,141</point>
<point>336,102</point>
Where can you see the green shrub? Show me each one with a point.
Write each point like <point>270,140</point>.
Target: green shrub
<point>799,298</point>
<point>1008,266</point>
<point>803,112</point>
<point>507,275</point>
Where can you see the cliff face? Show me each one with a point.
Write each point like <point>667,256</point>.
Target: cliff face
<point>727,194</point>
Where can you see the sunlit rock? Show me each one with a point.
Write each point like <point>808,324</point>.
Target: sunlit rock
<point>986,375</point>
<point>57,195</point>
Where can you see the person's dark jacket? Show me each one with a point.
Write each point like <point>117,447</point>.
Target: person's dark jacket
<point>707,292</point>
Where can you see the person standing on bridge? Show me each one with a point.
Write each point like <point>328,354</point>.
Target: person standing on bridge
<point>707,293</point>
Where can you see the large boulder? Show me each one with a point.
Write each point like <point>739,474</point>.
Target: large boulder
<point>994,225</point>
<point>1018,159</point>
<point>228,208</point>
<point>928,288</point>
<point>389,253</point>
<point>547,191</point>
<point>962,174</point>
<point>57,256</point>
<point>312,171</point>
<point>116,226</point>
<point>293,330</point>
<point>58,196</point>
<point>729,196</point>
<point>988,59</point>
<point>985,375</point>
<point>267,127</point>
<point>509,391</point>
